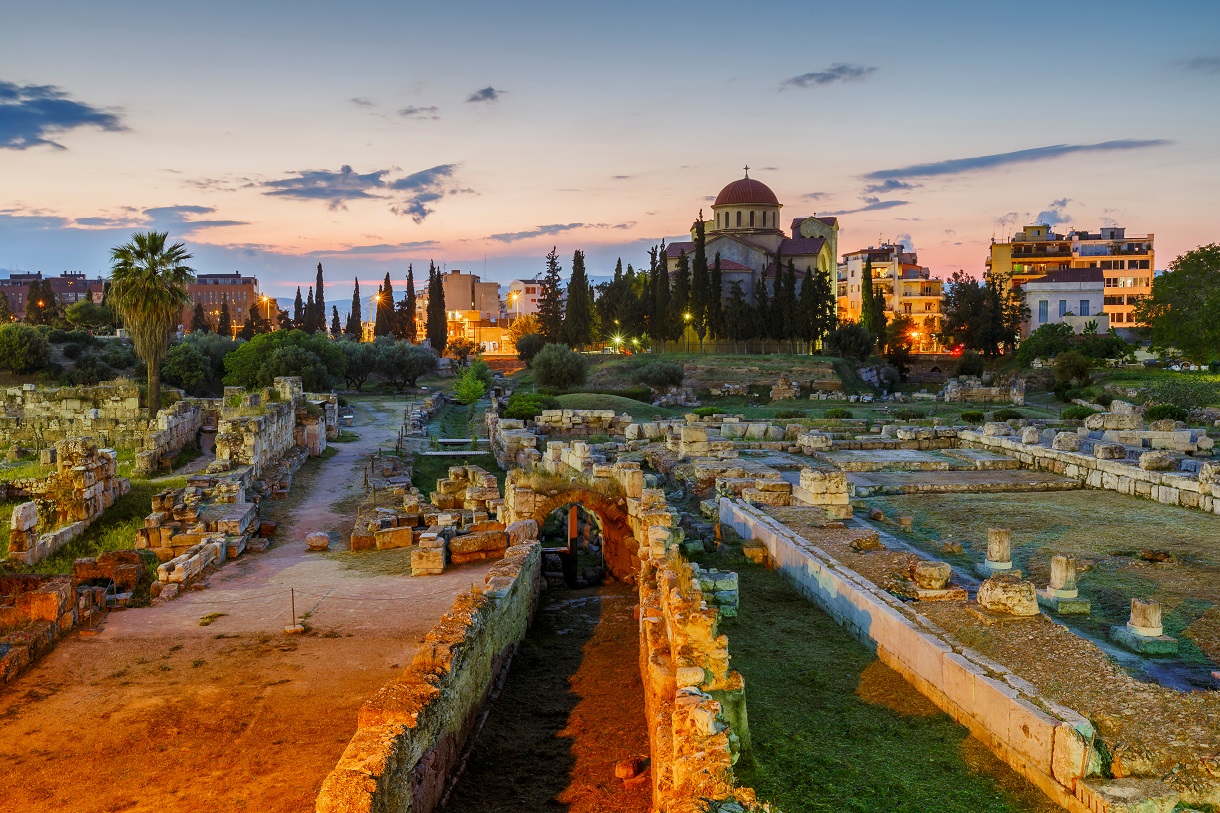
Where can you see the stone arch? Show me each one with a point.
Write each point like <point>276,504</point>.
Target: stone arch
<point>619,547</point>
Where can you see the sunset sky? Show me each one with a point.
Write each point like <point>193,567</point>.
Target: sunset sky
<point>272,136</point>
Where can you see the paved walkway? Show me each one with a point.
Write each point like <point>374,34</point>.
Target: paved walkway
<point>159,713</point>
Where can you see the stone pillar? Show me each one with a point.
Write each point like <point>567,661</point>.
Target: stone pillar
<point>999,551</point>
<point>1145,618</point>
<point>1063,577</point>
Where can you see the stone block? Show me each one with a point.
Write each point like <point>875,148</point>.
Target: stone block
<point>1066,442</point>
<point>1109,451</point>
<point>1158,461</point>
<point>391,538</point>
<point>25,517</point>
<point>997,429</point>
<point>1008,595</point>
<point>427,562</point>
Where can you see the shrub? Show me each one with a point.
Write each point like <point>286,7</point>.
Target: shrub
<point>1160,412</point>
<point>526,405</point>
<point>909,414</point>
<point>556,365</point>
<point>1105,398</point>
<point>1006,414</point>
<point>120,356</point>
<point>705,412</point>
<point>72,350</point>
<point>1076,412</point>
<point>838,413</point>
<point>971,363</point>
<point>973,416</point>
<point>659,374</point>
<point>23,349</point>
<point>1046,342</point>
<point>89,370</point>
<point>483,372</point>
<point>529,346</point>
<point>469,387</point>
<point>318,360</point>
<point>1182,390</point>
<point>850,340</point>
<point>1072,369</point>
<point>57,335</point>
<point>790,413</point>
<point>402,364</point>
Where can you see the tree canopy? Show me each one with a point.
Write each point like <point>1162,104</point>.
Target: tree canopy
<point>1182,311</point>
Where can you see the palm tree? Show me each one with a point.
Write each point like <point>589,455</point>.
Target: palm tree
<point>148,289</point>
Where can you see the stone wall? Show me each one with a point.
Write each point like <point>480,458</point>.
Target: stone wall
<point>34,612</point>
<point>1199,491</point>
<point>411,734</point>
<point>85,484</point>
<point>581,422</point>
<point>968,389</point>
<point>109,413</point>
<point>1042,740</point>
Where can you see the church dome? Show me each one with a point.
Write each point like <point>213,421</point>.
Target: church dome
<point>746,191</point>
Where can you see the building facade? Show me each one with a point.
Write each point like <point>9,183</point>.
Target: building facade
<point>906,287</point>
<point>466,292</point>
<point>1127,262</point>
<point>744,230</point>
<point>213,291</point>
<point>1075,296</point>
<point>69,287</point>
<point>522,297</point>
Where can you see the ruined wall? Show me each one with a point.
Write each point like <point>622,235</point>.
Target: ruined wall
<point>65,503</point>
<point>582,422</point>
<point>1201,491</point>
<point>109,413</point>
<point>1042,740</point>
<point>34,612</point>
<point>411,734</point>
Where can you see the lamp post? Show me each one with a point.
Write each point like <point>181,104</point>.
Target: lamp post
<point>686,330</point>
<point>266,300</point>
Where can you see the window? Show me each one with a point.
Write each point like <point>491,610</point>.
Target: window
<point>1084,307</point>
<point>1063,307</point>
<point>1043,307</point>
<point>751,218</point>
<point>927,306</point>
<point>739,218</point>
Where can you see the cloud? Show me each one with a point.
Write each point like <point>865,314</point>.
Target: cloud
<point>1052,215</point>
<point>622,177</point>
<point>1202,64</point>
<point>906,240</point>
<point>814,195</point>
<point>379,248</point>
<point>1009,219</point>
<point>360,101</point>
<point>870,206</point>
<point>838,72</point>
<point>30,113</point>
<point>887,186</point>
<point>422,113</point>
<point>556,228</point>
<point>487,94</point>
<point>423,188</point>
<point>957,166</point>
<point>336,188</point>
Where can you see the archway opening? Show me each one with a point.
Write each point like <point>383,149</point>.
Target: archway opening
<point>576,536</point>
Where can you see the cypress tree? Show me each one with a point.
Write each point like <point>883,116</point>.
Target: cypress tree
<point>250,328</point>
<point>224,325</point>
<point>826,306</point>
<point>578,320</point>
<point>679,299</point>
<point>718,327</point>
<point>199,319</point>
<point>701,293</point>
<point>6,315</point>
<point>335,327</point>
<point>311,315</point>
<point>739,317</point>
<point>662,316</point>
<point>352,328</point>
<point>384,324</point>
<point>319,301</point>
<point>298,310</point>
<point>437,326</point>
<point>763,312</point>
<point>410,331</point>
<point>788,305</point>
<point>550,300</point>
<point>868,310</point>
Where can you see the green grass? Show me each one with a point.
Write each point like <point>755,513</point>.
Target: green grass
<point>834,729</point>
<point>345,436</point>
<point>428,469</point>
<point>636,409</point>
<point>374,562</point>
<point>24,469</point>
<point>188,454</point>
<point>114,530</point>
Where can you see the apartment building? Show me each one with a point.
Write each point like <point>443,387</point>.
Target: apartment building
<point>908,289</point>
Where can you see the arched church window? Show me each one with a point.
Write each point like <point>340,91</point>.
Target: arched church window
<point>739,218</point>
<point>751,217</point>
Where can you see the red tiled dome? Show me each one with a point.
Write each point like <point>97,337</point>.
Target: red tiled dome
<point>746,191</point>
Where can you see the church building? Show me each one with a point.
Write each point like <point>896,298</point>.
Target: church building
<point>744,230</point>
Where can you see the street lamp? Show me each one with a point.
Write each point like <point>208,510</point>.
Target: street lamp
<point>686,330</point>
<point>514,297</point>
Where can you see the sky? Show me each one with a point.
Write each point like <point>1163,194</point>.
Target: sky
<point>271,136</point>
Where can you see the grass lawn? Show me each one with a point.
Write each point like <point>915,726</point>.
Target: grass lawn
<point>834,729</point>
<point>1106,532</point>
<point>638,410</point>
<point>23,469</point>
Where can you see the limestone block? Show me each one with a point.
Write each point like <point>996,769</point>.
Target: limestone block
<point>25,517</point>
<point>775,433</point>
<point>390,538</point>
<point>1209,473</point>
<point>1065,442</point>
<point>1109,451</point>
<point>756,431</point>
<point>997,429</point>
<point>522,531</point>
<point>1095,422</point>
<point>427,562</point>
<point>1163,425</point>
<point>1158,461</point>
<point>1009,595</point>
<point>931,575</point>
<point>1145,617</point>
<point>693,434</point>
<point>1031,435</point>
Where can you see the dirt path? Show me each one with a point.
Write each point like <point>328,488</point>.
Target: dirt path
<point>159,713</point>
<point>572,706</point>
